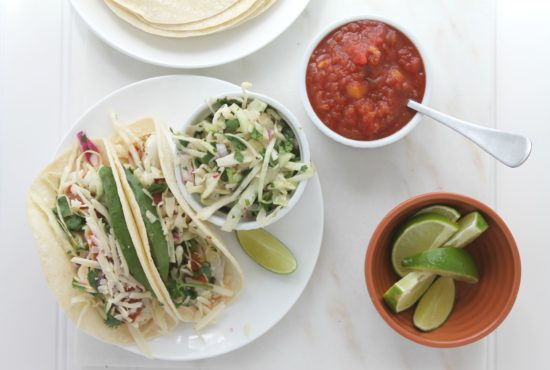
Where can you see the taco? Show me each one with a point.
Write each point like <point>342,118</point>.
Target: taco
<point>90,251</point>
<point>196,272</point>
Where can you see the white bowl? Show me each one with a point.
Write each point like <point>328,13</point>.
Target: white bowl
<point>364,143</point>
<point>219,218</point>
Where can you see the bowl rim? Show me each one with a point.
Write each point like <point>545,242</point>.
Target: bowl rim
<point>441,197</point>
<point>409,126</point>
<point>292,122</point>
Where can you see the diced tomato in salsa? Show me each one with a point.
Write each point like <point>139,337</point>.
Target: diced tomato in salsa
<point>360,77</point>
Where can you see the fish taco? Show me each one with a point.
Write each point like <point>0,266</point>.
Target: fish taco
<point>90,250</point>
<point>197,274</point>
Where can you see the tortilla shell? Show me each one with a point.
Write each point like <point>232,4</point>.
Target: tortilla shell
<point>258,8</point>
<point>233,278</point>
<point>193,29</point>
<point>176,11</point>
<point>237,12</point>
<point>57,267</point>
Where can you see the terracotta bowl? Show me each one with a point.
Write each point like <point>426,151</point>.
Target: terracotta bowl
<point>479,308</point>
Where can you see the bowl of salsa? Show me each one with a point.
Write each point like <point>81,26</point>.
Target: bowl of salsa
<point>359,74</point>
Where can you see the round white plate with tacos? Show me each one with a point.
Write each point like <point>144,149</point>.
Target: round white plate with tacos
<point>190,33</point>
<point>224,302</point>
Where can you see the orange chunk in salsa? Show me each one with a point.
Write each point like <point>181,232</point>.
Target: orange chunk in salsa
<point>356,89</point>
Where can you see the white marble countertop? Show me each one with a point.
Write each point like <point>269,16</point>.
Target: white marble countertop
<point>490,62</point>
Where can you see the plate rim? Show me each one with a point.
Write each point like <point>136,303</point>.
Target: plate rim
<point>315,181</point>
<point>182,65</point>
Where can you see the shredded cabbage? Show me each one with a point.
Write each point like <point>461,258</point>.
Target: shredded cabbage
<point>242,160</point>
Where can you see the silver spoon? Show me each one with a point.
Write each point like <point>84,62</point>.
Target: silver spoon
<point>510,149</point>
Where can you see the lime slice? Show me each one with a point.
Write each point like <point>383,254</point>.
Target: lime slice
<point>420,233</point>
<point>267,251</point>
<point>471,227</point>
<point>445,211</point>
<point>436,305</point>
<point>452,262</point>
<point>408,290</point>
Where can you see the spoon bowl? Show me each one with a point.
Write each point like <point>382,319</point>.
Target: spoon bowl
<point>508,148</point>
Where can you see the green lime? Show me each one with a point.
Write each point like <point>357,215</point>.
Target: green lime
<point>422,232</point>
<point>445,211</point>
<point>436,305</point>
<point>408,290</point>
<point>452,262</point>
<point>471,227</point>
<point>267,251</point>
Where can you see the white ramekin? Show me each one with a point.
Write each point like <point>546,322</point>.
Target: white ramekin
<point>219,218</point>
<point>364,143</point>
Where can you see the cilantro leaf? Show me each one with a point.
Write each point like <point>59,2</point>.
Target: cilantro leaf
<point>157,187</point>
<point>111,322</point>
<point>239,156</point>
<point>206,269</point>
<point>287,147</point>
<point>93,278</point>
<point>231,125</point>
<point>207,157</point>
<point>288,133</point>
<point>237,144</point>
<point>63,204</point>
<point>227,175</point>
<point>75,222</point>
<point>218,103</point>
<point>256,135</point>
<point>180,291</point>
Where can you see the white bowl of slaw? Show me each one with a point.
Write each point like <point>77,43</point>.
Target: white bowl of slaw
<point>219,218</point>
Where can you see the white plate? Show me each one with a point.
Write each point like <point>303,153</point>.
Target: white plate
<point>195,52</point>
<point>266,297</point>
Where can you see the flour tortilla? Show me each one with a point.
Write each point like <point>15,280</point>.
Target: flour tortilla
<point>236,13</point>
<point>214,23</point>
<point>192,29</point>
<point>176,11</point>
<point>59,271</point>
<point>233,277</point>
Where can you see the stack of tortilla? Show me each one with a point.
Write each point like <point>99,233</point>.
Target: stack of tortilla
<point>187,18</point>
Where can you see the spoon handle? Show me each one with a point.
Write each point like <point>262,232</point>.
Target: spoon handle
<point>508,148</point>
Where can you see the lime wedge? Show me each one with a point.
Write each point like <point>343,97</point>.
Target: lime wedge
<point>452,262</point>
<point>471,227</point>
<point>420,233</point>
<point>267,251</point>
<point>436,305</point>
<point>445,211</point>
<point>408,290</point>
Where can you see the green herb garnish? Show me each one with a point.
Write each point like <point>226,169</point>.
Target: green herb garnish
<point>207,158</point>
<point>239,156</point>
<point>73,221</point>
<point>157,187</point>
<point>93,278</point>
<point>111,322</point>
<point>227,175</point>
<point>237,144</point>
<point>256,135</point>
<point>231,125</point>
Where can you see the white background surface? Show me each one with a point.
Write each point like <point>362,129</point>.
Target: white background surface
<point>490,63</point>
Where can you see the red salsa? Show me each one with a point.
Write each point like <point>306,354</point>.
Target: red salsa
<point>360,77</point>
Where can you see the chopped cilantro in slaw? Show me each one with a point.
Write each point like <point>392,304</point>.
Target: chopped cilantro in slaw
<point>242,160</point>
